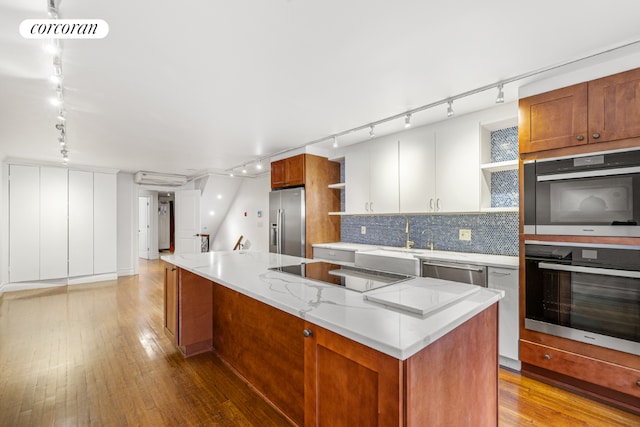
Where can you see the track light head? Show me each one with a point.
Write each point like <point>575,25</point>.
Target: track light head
<point>407,121</point>
<point>259,165</point>
<point>450,108</point>
<point>500,97</point>
<point>371,131</point>
<point>335,142</point>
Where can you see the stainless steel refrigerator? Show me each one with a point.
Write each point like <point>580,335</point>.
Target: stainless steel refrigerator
<point>287,222</point>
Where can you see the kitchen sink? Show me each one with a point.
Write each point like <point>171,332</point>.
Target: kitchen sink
<point>393,261</point>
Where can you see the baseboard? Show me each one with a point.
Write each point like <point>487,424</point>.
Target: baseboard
<point>27,286</point>
<point>92,278</point>
<point>126,272</point>
<point>514,365</point>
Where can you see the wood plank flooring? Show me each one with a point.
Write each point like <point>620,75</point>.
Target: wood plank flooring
<point>96,355</point>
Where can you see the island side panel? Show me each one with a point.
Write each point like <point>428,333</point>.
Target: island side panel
<point>170,301</point>
<point>264,345</point>
<point>454,381</point>
<point>194,313</point>
<point>347,383</point>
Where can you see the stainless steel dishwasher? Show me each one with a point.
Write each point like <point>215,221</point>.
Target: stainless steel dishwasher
<point>458,272</point>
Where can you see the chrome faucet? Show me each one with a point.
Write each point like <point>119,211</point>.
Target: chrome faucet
<point>410,243</point>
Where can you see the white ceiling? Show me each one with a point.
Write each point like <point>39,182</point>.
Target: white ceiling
<point>187,87</point>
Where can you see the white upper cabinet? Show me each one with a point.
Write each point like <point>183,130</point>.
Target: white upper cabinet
<point>457,166</point>
<point>417,171</point>
<point>371,171</point>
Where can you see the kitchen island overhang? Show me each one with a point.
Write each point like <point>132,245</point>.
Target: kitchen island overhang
<point>455,346</point>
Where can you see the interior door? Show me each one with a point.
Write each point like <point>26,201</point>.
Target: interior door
<point>143,227</point>
<point>187,221</point>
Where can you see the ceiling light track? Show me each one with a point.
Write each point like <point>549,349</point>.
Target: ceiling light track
<point>449,101</point>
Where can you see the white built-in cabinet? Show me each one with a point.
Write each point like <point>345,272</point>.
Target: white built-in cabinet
<point>506,279</point>
<point>53,223</point>
<point>62,224</point>
<point>372,177</point>
<point>439,169</point>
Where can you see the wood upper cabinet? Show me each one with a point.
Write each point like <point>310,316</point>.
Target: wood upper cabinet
<point>614,107</point>
<point>347,383</point>
<point>555,119</point>
<point>289,172</point>
<point>170,301</point>
<point>602,110</point>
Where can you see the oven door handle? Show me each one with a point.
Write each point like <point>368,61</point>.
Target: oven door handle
<point>589,174</point>
<point>590,270</point>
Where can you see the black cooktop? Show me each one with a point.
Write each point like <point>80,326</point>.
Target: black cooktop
<point>354,278</point>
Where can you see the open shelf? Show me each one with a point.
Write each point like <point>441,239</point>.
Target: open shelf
<point>507,165</point>
<point>339,186</point>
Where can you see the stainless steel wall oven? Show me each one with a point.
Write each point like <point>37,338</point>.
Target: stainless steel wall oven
<point>584,292</point>
<point>588,195</point>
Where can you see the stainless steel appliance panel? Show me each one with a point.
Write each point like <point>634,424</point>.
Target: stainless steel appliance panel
<point>456,272</point>
<point>585,292</point>
<point>287,222</point>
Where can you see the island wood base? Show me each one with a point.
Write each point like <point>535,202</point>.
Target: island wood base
<point>319,378</point>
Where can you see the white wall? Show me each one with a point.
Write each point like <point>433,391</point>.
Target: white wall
<point>127,224</point>
<point>4,225</point>
<point>217,197</point>
<point>252,196</point>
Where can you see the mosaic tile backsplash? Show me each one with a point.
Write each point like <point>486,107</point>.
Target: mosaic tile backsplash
<point>491,233</point>
<point>504,185</point>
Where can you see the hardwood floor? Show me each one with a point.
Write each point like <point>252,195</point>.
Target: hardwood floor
<point>96,354</point>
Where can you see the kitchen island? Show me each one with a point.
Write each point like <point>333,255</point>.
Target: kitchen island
<point>324,355</point>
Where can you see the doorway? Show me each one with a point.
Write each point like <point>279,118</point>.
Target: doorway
<point>166,225</point>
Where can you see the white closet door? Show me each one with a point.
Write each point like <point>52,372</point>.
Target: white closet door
<point>53,223</point>
<point>24,223</point>
<point>80,223</point>
<point>104,223</point>
<point>187,221</point>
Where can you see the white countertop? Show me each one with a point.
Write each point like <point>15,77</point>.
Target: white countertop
<point>394,332</point>
<point>500,261</point>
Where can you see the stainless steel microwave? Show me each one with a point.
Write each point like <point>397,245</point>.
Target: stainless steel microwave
<point>590,195</point>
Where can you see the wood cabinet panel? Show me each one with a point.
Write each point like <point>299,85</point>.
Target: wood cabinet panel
<point>289,172</point>
<point>553,119</point>
<point>264,345</point>
<point>347,383</point>
<point>170,301</point>
<point>614,107</point>
<point>194,313</point>
<point>454,381</point>
<point>609,375</point>
<point>320,200</point>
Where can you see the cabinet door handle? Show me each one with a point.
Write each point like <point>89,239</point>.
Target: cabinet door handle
<point>371,207</point>
<point>580,137</point>
<point>548,357</point>
<point>431,204</point>
<point>307,333</point>
<point>173,269</point>
<point>596,135</point>
<point>366,206</point>
<point>638,383</point>
<point>438,204</point>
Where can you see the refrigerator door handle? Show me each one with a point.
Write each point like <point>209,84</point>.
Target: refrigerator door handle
<point>279,233</point>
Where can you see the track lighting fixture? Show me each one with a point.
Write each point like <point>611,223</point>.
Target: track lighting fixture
<point>450,108</point>
<point>259,165</point>
<point>244,169</point>
<point>231,174</point>
<point>335,142</point>
<point>371,132</point>
<point>407,120</point>
<point>62,115</point>
<point>500,97</point>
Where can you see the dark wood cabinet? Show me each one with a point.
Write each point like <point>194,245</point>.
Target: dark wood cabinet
<point>289,172</point>
<point>347,383</point>
<point>195,313</point>
<point>553,119</point>
<point>598,111</point>
<point>614,107</point>
<point>170,301</point>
